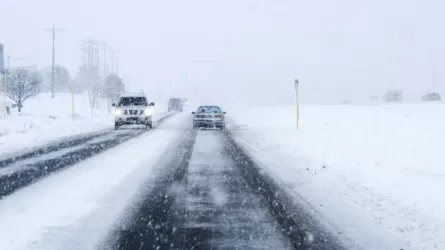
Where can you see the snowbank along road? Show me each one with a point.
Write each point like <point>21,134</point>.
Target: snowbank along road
<point>22,169</point>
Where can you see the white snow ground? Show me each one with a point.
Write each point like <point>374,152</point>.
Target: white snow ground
<point>44,120</point>
<point>75,208</point>
<point>375,173</point>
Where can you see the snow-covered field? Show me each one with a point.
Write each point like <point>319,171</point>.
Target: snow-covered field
<point>75,208</point>
<point>44,120</point>
<point>375,173</point>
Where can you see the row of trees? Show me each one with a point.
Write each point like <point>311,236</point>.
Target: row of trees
<point>23,83</point>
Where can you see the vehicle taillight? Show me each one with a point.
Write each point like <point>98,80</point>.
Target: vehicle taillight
<point>219,116</point>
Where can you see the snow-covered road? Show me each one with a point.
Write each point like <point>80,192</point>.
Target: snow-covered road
<point>211,207</point>
<point>222,211</point>
<point>171,188</point>
<point>212,196</point>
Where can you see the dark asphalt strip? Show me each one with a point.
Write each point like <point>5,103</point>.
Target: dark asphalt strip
<point>30,173</point>
<point>295,222</point>
<point>152,226</point>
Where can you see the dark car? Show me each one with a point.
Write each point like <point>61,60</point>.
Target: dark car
<point>209,117</point>
<point>175,104</point>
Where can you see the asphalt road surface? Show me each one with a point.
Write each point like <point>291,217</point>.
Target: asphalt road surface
<point>212,196</point>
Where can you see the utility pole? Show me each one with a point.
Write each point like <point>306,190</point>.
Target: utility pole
<point>105,61</point>
<point>92,71</point>
<point>90,65</point>
<point>96,97</point>
<point>117,65</point>
<point>53,30</point>
<point>5,89</point>
<point>113,61</point>
<point>72,99</point>
<point>297,85</point>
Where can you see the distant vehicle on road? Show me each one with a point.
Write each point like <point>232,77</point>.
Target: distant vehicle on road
<point>209,117</point>
<point>175,104</point>
<point>133,108</point>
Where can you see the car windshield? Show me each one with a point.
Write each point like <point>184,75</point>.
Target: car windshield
<point>133,101</point>
<point>209,109</point>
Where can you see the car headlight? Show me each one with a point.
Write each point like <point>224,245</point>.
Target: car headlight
<point>118,112</point>
<point>148,111</point>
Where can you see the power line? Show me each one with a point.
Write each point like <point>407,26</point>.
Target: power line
<point>53,30</point>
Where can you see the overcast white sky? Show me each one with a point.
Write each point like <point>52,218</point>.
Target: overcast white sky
<point>244,49</point>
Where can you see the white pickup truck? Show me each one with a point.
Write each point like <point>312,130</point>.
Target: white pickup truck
<point>133,108</point>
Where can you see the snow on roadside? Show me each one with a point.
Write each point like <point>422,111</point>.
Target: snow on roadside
<point>374,172</point>
<point>44,120</point>
<point>75,208</point>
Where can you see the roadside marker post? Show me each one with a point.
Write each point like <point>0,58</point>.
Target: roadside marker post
<point>72,98</point>
<point>5,89</point>
<point>297,83</point>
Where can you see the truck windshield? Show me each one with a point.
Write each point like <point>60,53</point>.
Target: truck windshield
<point>209,109</point>
<point>133,101</point>
<point>175,101</point>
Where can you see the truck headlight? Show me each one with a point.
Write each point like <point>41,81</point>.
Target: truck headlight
<point>118,112</point>
<point>148,111</point>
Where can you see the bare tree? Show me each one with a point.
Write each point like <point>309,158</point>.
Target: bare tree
<point>113,87</point>
<point>89,78</point>
<point>62,80</point>
<point>23,84</point>
<point>82,78</point>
